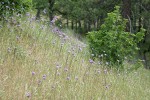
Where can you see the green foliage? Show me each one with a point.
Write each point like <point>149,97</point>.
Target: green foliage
<point>40,3</point>
<point>113,41</point>
<point>10,7</point>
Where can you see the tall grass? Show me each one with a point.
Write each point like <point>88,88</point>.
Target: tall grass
<point>39,62</point>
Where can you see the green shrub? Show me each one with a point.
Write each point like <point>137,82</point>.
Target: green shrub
<point>113,41</point>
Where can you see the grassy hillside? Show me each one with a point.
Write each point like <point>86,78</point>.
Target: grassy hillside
<point>39,62</point>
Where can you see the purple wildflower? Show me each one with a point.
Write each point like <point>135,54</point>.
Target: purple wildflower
<point>33,18</point>
<point>28,94</point>
<point>33,73</point>
<point>44,77</point>
<point>80,49</point>
<point>68,78</point>
<point>91,61</point>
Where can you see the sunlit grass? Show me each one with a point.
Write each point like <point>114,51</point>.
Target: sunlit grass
<point>37,64</point>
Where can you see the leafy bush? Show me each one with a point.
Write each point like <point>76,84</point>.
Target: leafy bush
<point>113,41</point>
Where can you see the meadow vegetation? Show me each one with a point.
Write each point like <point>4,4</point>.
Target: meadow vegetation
<point>42,62</point>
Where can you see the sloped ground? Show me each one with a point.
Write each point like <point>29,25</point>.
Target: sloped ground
<point>42,63</point>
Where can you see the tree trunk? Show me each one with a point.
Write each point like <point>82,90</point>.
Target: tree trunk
<point>51,5</point>
<point>89,25</point>
<point>38,14</point>
<point>140,20</point>
<point>67,22</point>
<point>95,22</point>
<point>126,13</point>
<point>98,24</point>
<point>85,26</point>
<point>101,18</point>
<point>76,25</point>
<point>72,25</point>
<point>50,16</point>
<point>79,27</point>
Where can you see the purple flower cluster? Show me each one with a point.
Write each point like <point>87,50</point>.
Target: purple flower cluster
<point>91,61</point>
<point>59,33</point>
